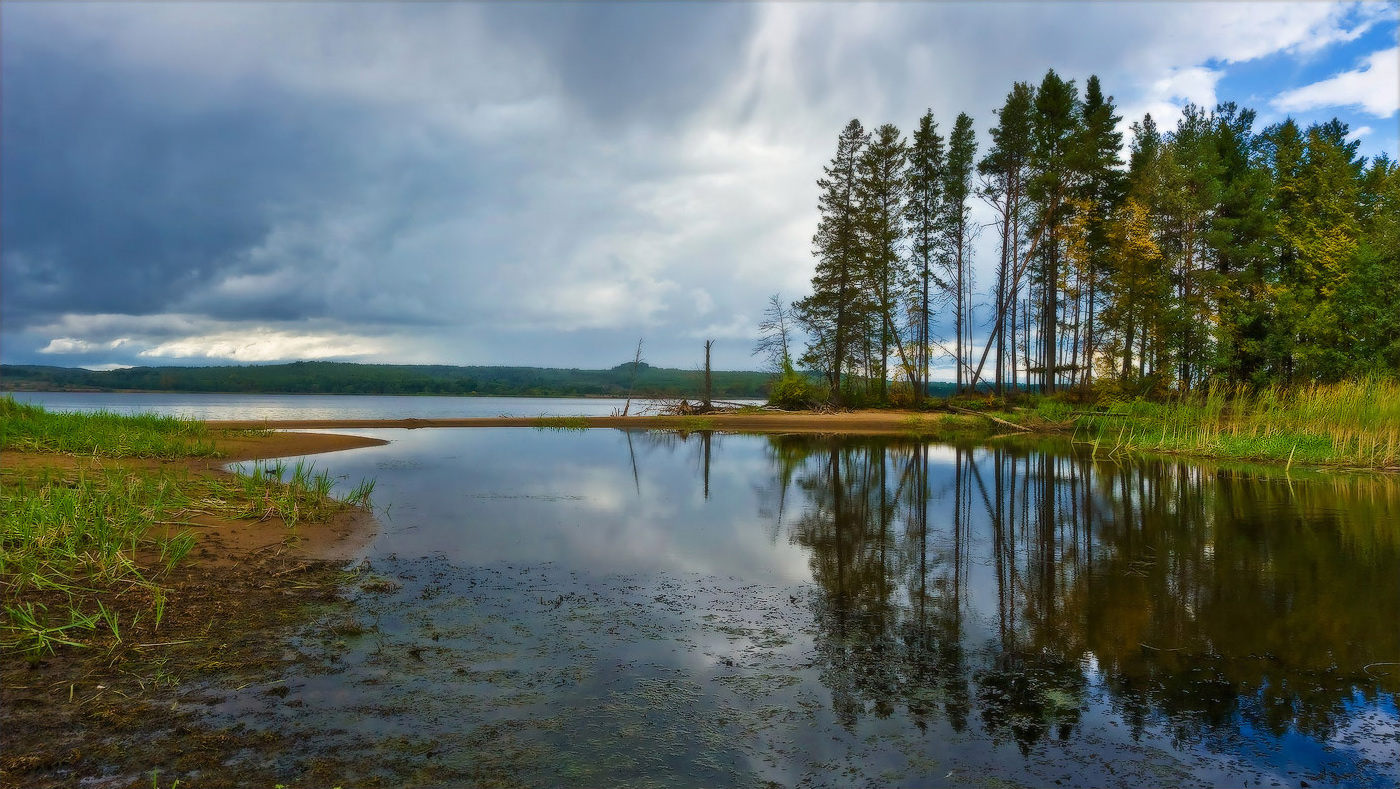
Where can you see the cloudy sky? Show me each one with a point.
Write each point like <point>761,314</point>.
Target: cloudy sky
<point>534,183</point>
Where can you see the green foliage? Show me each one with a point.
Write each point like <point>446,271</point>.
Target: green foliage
<point>348,378</point>
<point>839,302</point>
<point>1223,254</point>
<point>793,391</point>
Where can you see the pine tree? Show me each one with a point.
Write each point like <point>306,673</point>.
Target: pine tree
<point>1004,171</point>
<point>1237,237</point>
<point>832,314</point>
<point>1054,131</point>
<point>923,215</point>
<point>1100,191</point>
<point>880,189</point>
<point>957,185</point>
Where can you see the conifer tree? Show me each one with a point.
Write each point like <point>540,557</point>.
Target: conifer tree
<point>832,313</point>
<point>1004,171</point>
<point>881,188</point>
<point>1237,237</point>
<point>957,186</point>
<point>1100,190</point>
<point>1053,133</point>
<point>923,214</point>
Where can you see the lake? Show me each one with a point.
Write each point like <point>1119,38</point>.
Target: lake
<point>615,608</point>
<point>274,407</point>
<point>640,608</point>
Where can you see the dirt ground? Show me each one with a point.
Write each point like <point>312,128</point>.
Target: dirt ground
<point>110,714</point>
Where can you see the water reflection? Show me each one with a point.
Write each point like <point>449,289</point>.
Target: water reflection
<point>739,609</point>
<point>1018,576</point>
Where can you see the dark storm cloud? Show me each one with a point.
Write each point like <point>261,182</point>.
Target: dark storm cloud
<point>116,200</point>
<point>640,62</point>
<point>487,182</point>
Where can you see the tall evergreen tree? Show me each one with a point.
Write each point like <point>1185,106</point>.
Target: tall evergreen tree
<point>831,314</point>
<point>1238,240</point>
<point>1100,190</point>
<point>957,186</point>
<point>1053,133</point>
<point>881,187</point>
<point>923,215</point>
<point>1369,297</point>
<point>1190,193</point>
<point>1004,171</point>
<point>1324,235</point>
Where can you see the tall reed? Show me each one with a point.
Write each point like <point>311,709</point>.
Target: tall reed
<point>1349,424</point>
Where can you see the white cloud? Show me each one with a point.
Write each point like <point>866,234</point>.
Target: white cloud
<point>1374,88</point>
<point>175,336</point>
<point>266,345</point>
<point>71,345</point>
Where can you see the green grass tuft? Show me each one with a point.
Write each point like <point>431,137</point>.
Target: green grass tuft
<point>30,428</point>
<point>561,422</point>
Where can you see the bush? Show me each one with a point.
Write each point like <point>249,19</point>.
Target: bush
<point>793,391</point>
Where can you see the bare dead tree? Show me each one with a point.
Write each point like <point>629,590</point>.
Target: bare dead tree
<point>632,381</point>
<point>709,383</point>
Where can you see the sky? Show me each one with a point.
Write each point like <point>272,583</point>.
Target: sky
<point>537,184</point>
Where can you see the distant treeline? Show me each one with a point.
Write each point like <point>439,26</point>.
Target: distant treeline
<point>348,378</point>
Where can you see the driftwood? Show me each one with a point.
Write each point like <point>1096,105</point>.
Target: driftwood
<point>1011,425</point>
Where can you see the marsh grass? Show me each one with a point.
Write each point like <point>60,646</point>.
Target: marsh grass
<point>695,424</point>
<point>1353,424</point>
<point>921,426</point>
<point>74,540</point>
<point>561,422</point>
<point>295,493</point>
<point>30,428</point>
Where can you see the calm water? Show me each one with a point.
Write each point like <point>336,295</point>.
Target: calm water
<point>259,406</point>
<point>610,608</point>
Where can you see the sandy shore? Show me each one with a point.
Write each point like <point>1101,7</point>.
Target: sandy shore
<point>856,422</point>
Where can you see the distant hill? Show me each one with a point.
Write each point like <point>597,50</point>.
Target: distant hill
<point>394,379</point>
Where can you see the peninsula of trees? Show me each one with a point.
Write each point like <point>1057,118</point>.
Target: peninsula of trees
<point>1214,252</point>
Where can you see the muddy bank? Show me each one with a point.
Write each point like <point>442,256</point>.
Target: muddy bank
<point>115,710</point>
<point>853,423</point>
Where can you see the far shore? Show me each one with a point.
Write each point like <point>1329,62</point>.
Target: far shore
<point>882,422</point>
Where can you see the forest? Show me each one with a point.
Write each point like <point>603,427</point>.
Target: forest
<point>1214,253</point>
<point>391,379</point>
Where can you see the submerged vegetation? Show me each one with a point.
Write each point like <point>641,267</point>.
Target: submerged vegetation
<point>86,538</point>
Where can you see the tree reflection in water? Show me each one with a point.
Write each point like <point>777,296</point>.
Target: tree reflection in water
<point>1003,583</point>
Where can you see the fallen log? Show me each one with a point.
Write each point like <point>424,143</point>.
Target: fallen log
<point>1011,425</point>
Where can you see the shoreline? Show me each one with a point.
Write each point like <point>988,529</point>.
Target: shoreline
<point>119,704</point>
<point>854,423</point>
<point>907,423</point>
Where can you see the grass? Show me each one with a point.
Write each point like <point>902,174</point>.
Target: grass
<point>29,428</point>
<point>561,422</point>
<point>1354,424</point>
<point>75,540</point>
<point>694,424</point>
